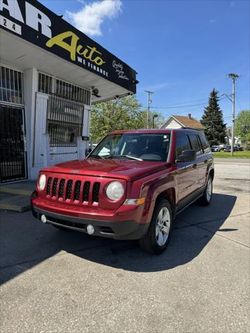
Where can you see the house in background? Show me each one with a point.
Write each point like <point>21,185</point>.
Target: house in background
<point>174,122</point>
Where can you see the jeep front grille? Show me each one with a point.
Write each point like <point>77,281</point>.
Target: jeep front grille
<point>72,190</point>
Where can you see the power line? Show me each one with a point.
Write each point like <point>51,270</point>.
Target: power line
<point>177,106</point>
<point>181,105</point>
<point>181,113</point>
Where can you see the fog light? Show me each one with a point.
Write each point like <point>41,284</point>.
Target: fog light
<point>90,229</point>
<point>43,218</point>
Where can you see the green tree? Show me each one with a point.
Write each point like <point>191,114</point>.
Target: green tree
<point>242,126</point>
<point>124,113</point>
<point>212,120</point>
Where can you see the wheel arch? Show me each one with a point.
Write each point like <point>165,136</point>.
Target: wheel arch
<point>168,194</point>
<point>211,173</point>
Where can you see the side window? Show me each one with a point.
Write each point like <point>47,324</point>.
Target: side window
<point>195,143</point>
<point>182,143</point>
<point>204,142</point>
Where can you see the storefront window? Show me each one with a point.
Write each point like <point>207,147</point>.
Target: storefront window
<point>45,83</point>
<point>50,85</point>
<point>71,92</point>
<point>62,135</point>
<point>64,121</point>
<point>11,86</point>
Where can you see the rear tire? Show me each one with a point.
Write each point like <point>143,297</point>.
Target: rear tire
<point>158,235</point>
<point>206,198</point>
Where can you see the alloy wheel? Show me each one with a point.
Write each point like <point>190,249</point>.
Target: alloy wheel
<point>162,226</point>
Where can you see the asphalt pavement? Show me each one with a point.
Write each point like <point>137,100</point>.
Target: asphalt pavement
<point>56,281</point>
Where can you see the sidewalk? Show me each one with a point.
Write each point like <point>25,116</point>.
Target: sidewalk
<point>16,196</point>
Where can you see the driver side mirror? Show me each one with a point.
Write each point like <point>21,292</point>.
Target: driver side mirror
<point>186,156</point>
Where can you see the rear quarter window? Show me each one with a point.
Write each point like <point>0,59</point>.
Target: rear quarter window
<point>204,142</point>
<point>195,143</point>
<point>182,143</point>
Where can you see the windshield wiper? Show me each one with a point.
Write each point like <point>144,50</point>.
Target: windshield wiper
<point>107,157</point>
<point>131,157</point>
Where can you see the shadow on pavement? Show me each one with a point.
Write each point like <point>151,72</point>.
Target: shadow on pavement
<point>25,242</point>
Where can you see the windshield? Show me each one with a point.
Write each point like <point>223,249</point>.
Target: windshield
<point>136,146</point>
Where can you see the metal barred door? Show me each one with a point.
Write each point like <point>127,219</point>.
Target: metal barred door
<point>12,144</point>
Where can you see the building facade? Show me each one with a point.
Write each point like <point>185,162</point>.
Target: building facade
<point>50,73</point>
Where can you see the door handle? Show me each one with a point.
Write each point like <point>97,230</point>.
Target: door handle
<point>205,162</point>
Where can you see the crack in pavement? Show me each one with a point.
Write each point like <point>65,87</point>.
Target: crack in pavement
<point>230,239</point>
<point>199,226</point>
<point>210,220</point>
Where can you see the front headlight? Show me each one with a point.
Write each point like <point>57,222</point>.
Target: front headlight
<point>115,191</point>
<point>42,182</point>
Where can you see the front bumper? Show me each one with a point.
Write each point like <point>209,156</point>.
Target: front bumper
<point>123,230</point>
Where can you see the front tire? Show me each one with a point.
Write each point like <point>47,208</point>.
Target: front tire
<point>206,198</point>
<point>158,235</point>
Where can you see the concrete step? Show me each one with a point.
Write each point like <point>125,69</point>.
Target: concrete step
<point>16,196</point>
<point>20,188</point>
<point>16,203</point>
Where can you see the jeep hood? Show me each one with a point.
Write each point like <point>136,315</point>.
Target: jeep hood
<point>115,168</point>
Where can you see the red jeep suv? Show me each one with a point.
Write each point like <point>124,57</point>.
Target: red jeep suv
<point>131,186</point>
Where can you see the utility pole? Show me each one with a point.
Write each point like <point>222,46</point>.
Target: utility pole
<point>154,116</point>
<point>148,106</point>
<point>234,77</point>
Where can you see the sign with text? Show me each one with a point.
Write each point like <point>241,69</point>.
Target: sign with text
<point>36,24</point>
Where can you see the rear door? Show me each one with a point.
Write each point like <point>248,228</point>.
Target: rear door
<point>201,162</point>
<point>208,157</point>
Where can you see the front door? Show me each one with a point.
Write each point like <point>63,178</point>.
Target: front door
<point>186,174</point>
<point>12,144</point>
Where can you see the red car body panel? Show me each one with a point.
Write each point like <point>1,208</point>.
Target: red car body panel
<point>141,179</point>
<point>120,169</point>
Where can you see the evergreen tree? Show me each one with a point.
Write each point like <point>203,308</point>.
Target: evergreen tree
<point>212,120</point>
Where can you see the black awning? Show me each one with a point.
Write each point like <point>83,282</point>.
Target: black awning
<point>38,25</point>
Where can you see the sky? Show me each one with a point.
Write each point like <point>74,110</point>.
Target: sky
<point>181,49</point>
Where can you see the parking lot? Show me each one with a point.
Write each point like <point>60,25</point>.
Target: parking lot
<point>56,281</point>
